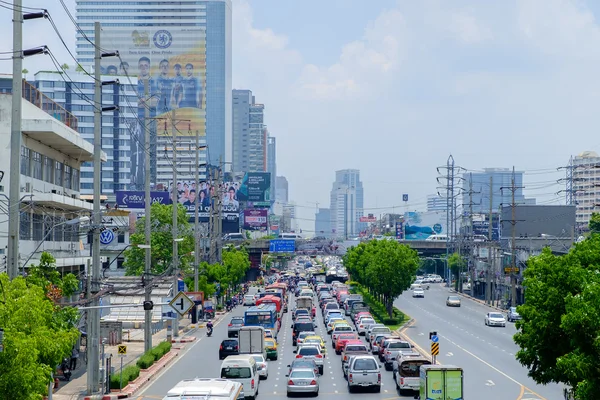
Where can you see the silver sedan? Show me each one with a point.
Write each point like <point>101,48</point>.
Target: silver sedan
<point>302,381</point>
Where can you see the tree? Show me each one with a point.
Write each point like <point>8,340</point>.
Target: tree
<point>37,336</point>
<point>161,242</point>
<point>560,326</point>
<point>456,263</point>
<point>79,68</point>
<point>46,275</point>
<point>64,67</point>
<point>386,267</point>
<point>595,223</point>
<point>236,263</point>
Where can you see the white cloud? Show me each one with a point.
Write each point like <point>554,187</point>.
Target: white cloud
<point>379,52</point>
<point>467,28</point>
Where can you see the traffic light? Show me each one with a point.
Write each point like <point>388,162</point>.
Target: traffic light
<point>148,305</point>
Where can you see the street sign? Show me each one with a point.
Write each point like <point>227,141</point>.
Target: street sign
<point>181,303</point>
<point>435,349</point>
<point>435,339</point>
<point>122,350</point>
<point>510,270</point>
<point>282,246</point>
<point>404,197</point>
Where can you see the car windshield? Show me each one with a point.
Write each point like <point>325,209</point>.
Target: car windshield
<point>398,345</point>
<point>343,328</point>
<point>236,373</point>
<point>269,343</point>
<point>302,374</point>
<point>308,351</point>
<point>513,310</point>
<point>237,321</point>
<point>495,315</point>
<point>411,369</point>
<point>230,343</point>
<point>453,298</point>
<point>305,334</point>
<point>356,348</point>
<point>365,364</point>
<point>303,364</point>
<point>367,321</point>
<point>303,327</point>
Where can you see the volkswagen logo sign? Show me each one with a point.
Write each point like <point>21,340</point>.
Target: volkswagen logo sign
<point>107,236</point>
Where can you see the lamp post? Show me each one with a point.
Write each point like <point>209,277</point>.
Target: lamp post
<point>176,241</point>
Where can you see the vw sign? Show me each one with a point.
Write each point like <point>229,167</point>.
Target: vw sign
<point>107,236</point>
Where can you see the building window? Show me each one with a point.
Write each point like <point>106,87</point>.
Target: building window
<point>75,179</point>
<point>36,159</point>
<point>48,170</point>
<point>25,226</point>
<point>68,176</point>
<point>58,229</point>
<point>25,161</point>
<point>121,237</point>
<point>58,173</point>
<point>38,227</point>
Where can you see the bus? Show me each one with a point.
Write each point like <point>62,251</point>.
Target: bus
<point>269,299</point>
<point>264,315</point>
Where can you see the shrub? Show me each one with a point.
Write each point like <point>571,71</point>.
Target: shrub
<point>145,361</point>
<point>153,355</point>
<point>129,373</point>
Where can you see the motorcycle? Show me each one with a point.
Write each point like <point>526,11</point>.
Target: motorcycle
<point>65,369</point>
<point>228,308</point>
<point>209,332</point>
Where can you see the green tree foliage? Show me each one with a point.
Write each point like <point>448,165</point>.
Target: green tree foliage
<point>161,242</point>
<point>457,264</point>
<point>385,267</point>
<point>559,333</point>
<point>37,336</point>
<point>595,223</point>
<point>236,263</point>
<point>46,275</point>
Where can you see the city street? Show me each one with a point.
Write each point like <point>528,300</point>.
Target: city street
<point>487,354</point>
<point>201,360</point>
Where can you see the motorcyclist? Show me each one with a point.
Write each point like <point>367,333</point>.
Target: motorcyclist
<point>209,327</point>
<point>228,303</point>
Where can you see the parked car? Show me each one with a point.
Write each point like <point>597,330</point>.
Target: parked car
<point>364,371</point>
<point>495,319</point>
<point>513,315</point>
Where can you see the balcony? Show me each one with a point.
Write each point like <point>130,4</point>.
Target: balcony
<point>43,102</point>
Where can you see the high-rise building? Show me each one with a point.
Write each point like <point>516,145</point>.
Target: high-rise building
<point>435,202</point>
<point>272,164</point>
<point>323,223</point>
<point>281,190</point>
<point>347,199</point>
<point>177,55</point>
<point>249,133</point>
<point>585,170</point>
<point>72,94</point>
<point>501,190</point>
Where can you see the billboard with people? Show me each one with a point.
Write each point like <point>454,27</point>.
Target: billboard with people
<point>168,70</point>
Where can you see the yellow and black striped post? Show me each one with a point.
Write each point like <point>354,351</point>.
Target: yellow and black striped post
<point>435,350</point>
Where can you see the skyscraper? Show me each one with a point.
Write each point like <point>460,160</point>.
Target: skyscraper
<point>585,173</point>
<point>347,202</point>
<point>281,190</point>
<point>249,133</point>
<point>272,164</point>
<point>323,223</point>
<point>177,54</point>
<point>435,202</point>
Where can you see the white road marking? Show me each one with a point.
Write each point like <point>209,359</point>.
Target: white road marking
<point>489,383</point>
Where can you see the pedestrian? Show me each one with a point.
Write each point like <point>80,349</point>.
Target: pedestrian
<point>74,357</point>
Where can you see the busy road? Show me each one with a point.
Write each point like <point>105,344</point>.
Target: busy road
<point>487,354</point>
<point>201,360</point>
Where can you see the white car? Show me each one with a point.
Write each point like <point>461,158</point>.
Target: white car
<point>495,319</point>
<point>261,365</point>
<point>418,292</point>
<point>363,325</point>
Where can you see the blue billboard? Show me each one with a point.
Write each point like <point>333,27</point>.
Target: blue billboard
<point>282,246</point>
<point>137,199</point>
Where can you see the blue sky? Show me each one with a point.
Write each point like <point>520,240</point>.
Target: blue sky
<point>393,87</point>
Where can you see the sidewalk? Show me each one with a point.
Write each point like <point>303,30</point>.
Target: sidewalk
<point>75,389</point>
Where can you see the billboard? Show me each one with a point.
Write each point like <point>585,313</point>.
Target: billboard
<point>282,246</point>
<point>370,218</point>
<point>421,225</point>
<point>256,218</point>
<point>137,199</point>
<point>173,63</point>
<point>481,223</point>
<point>256,187</point>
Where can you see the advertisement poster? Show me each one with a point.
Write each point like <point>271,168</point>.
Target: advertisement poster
<point>256,219</point>
<point>173,63</point>
<point>435,385</point>
<point>256,187</point>
<point>421,225</point>
<point>454,385</point>
<point>137,199</point>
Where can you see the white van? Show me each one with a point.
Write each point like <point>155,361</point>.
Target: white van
<point>242,369</point>
<point>206,387</point>
<point>438,238</point>
<point>289,236</point>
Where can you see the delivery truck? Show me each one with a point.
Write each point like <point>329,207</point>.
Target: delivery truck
<point>441,382</point>
<point>304,302</point>
<point>252,340</point>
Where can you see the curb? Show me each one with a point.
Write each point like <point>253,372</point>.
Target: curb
<point>482,302</point>
<point>187,339</point>
<point>139,382</point>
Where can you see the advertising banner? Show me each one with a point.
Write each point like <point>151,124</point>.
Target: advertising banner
<point>173,63</point>
<point>256,219</point>
<point>256,186</point>
<point>421,225</point>
<point>368,219</point>
<point>481,223</point>
<point>137,199</point>
<point>400,230</point>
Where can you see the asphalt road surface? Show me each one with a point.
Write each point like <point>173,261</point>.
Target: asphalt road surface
<point>201,360</point>
<point>487,354</point>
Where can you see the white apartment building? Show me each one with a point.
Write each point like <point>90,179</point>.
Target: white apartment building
<point>346,205</point>
<point>52,212</point>
<point>586,186</point>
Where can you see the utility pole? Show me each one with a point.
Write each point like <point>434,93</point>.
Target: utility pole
<point>196,216</point>
<point>14,201</point>
<point>470,236</point>
<point>174,223</point>
<point>513,255</point>
<point>148,221</point>
<point>488,280</point>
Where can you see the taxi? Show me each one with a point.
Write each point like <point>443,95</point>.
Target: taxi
<point>269,334</point>
<point>342,340</point>
<point>332,324</point>
<point>271,348</point>
<point>316,340</point>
